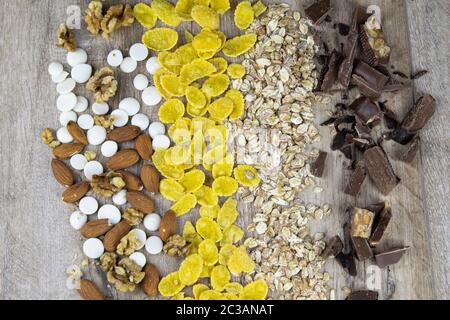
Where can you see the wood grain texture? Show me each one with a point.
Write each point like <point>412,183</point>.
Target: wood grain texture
<point>37,243</point>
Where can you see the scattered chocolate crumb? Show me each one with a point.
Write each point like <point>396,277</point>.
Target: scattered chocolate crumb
<point>400,74</point>
<point>344,29</point>
<point>418,74</point>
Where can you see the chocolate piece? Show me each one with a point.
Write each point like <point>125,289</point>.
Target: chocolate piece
<point>357,179</point>
<point>347,262</point>
<point>366,110</point>
<point>362,220</point>
<point>420,114</point>
<point>380,170</point>
<point>362,248</point>
<point>390,118</point>
<point>390,257</point>
<point>318,11</point>
<point>318,166</point>
<point>380,225</point>
<point>369,80</point>
<point>363,295</point>
<point>330,72</point>
<point>344,29</point>
<point>400,135</point>
<point>419,74</point>
<point>334,247</point>
<point>343,141</point>
<point>412,151</point>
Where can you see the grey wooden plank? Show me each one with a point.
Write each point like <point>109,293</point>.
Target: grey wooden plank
<point>429,34</point>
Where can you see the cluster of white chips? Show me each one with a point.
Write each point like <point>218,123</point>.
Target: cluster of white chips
<point>75,108</point>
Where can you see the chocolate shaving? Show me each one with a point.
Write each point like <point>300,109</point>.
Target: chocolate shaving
<point>380,224</point>
<point>412,151</point>
<point>330,72</point>
<point>318,166</point>
<point>380,170</point>
<point>400,74</point>
<point>362,248</point>
<point>390,257</point>
<point>356,180</point>
<point>418,74</point>
<point>318,11</point>
<point>363,295</point>
<point>333,248</point>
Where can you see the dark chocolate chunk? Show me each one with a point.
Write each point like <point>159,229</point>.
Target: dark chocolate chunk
<point>390,257</point>
<point>419,74</point>
<point>361,248</point>
<point>412,151</point>
<point>376,208</point>
<point>400,135</point>
<point>334,247</point>
<point>318,11</point>
<point>366,110</point>
<point>318,166</point>
<point>380,225</point>
<point>344,29</point>
<point>390,118</point>
<point>363,295</point>
<point>357,179</point>
<point>420,114</point>
<point>347,262</point>
<point>380,170</point>
<point>369,80</point>
<point>330,72</point>
<point>393,85</point>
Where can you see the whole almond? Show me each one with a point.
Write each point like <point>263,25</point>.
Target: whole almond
<point>168,226</point>
<point>151,280</point>
<point>95,228</point>
<point>77,133</point>
<point>150,178</point>
<point>133,182</point>
<point>113,236</point>
<point>140,201</point>
<point>124,134</point>
<point>143,145</point>
<point>62,173</point>
<point>89,291</point>
<point>75,192</point>
<point>66,150</point>
<point>123,159</point>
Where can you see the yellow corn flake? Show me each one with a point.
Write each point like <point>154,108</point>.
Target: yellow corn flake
<point>207,41</point>
<point>225,186</point>
<point>240,262</point>
<point>186,54</point>
<point>166,170</point>
<point>221,6</point>
<point>259,8</point>
<point>236,71</point>
<point>227,216</point>
<point>220,64</point>
<point>145,15</point>
<point>173,85</point>
<point>256,290</point>
<point>215,155</point>
<point>183,9</point>
<point>209,229</point>
<point>208,251</point>
<point>198,289</point>
<point>177,156</point>
<point>193,180</point>
<point>222,170</point>
<point>184,205</point>
<point>157,81</point>
<point>205,17</point>
<point>196,112</point>
<point>216,85</point>
<point>160,39</point>
<point>206,273</point>
<point>232,234</point>
<point>178,296</point>
<point>234,288</point>
<point>196,97</point>
<point>238,103</point>
<point>211,295</point>
<point>190,269</point>
<point>189,232</point>
<point>170,285</point>
<point>209,212</point>
<point>180,132</point>
<point>202,2</point>
<point>166,12</point>
<point>247,176</point>
<point>221,108</point>
<point>220,276</point>
<point>171,61</point>
<point>222,36</point>
<point>198,147</point>
<point>171,189</point>
<point>171,111</point>
<point>244,15</point>
<point>197,69</point>
<point>230,296</point>
<point>239,45</point>
<point>225,253</point>
<point>188,36</point>
<point>201,124</point>
<point>217,135</point>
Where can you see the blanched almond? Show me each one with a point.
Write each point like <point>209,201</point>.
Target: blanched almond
<point>67,150</point>
<point>62,173</point>
<point>123,159</point>
<point>140,201</point>
<point>75,192</point>
<point>124,134</point>
<point>150,178</point>
<point>143,145</point>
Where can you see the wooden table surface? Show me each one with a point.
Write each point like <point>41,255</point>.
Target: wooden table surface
<point>37,243</point>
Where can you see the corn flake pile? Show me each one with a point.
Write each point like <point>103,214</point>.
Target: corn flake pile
<point>195,83</point>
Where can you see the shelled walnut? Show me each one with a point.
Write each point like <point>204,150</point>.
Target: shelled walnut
<point>94,16</point>
<point>107,261</point>
<point>103,85</point>
<point>117,16</point>
<point>106,185</point>
<point>128,245</point>
<point>49,139</point>
<point>65,38</point>
<point>177,246</point>
<point>105,121</point>
<point>125,275</point>
<point>133,216</point>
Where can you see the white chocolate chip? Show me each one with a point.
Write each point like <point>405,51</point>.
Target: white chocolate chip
<point>66,86</point>
<point>78,161</point>
<point>81,73</point>
<point>63,135</point>
<point>100,108</point>
<point>77,57</point>
<point>120,118</point>
<point>151,96</point>
<point>130,106</point>
<point>92,168</point>
<point>154,245</point>
<point>66,102</point>
<point>110,212</point>
<point>141,236</point>
<point>88,205</point>
<point>140,82</point>
<point>128,65</point>
<point>55,68</point>
<point>85,121</point>
<point>139,258</point>
<point>96,135</point>
<point>156,129</point>
<point>93,248</point>
<point>161,142</point>
<point>82,104</point>
<point>60,77</point>
<point>152,65</point>
<point>115,58</point>
<point>140,120</point>
<point>138,52</point>
<point>109,148</point>
<point>77,220</point>
<point>152,222</point>
<point>67,116</point>
<point>120,198</point>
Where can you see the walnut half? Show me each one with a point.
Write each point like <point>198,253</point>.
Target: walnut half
<point>94,16</point>
<point>106,185</point>
<point>65,38</point>
<point>133,216</point>
<point>125,275</point>
<point>103,85</point>
<point>117,16</point>
<point>177,246</point>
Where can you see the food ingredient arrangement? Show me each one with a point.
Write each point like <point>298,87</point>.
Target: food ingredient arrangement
<point>235,125</point>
